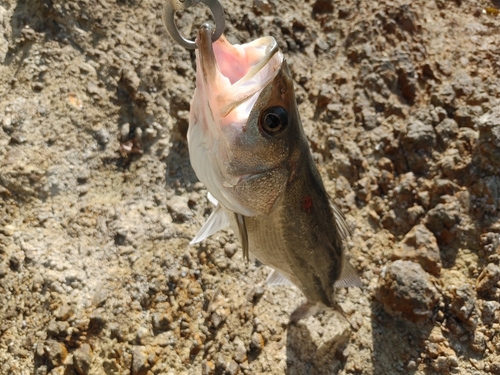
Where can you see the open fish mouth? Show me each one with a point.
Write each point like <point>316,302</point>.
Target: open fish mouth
<point>229,81</point>
<point>245,69</point>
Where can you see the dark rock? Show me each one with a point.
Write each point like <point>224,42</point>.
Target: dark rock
<point>406,290</point>
<point>406,77</point>
<point>420,245</point>
<point>323,6</point>
<point>82,359</point>
<point>485,196</point>
<point>407,18</point>
<point>442,221</point>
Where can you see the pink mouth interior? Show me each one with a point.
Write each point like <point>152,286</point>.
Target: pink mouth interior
<point>234,61</point>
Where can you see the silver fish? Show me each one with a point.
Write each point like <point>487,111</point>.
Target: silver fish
<point>247,145</point>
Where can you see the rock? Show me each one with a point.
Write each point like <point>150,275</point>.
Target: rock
<point>55,352</point>
<point>488,279</point>
<point>489,140</point>
<point>405,289</point>
<point>179,210</point>
<point>125,132</point>
<point>257,341</point>
<point>485,196</point>
<point>495,365</point>
<point>102,136</point>
<point>479,342</point>
<point>232,368</point>
<point>63,312</point>
<point>463,84</point>
<point>161,321</point>
<point>447,131</point>
<point>442,221</point>
<point>462,301</point>
<point>230,249</point>
<point>8,230</point>
<point>131,80</point>
<point>262,6</point>
<point>57,328</point>
<point>467,116</point>
<point>140,364</point>
<point>406,75</point>
<point>420,245</point>
<point>490,312</point>
<point>419,135</point>
<point>445,98</point>
<point>82,359</point>
<point>240,352</point>
<point>323,6</point>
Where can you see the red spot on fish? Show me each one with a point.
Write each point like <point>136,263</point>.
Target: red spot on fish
<point>307,204</point>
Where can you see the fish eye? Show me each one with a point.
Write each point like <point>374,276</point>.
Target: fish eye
<point>273,120</point>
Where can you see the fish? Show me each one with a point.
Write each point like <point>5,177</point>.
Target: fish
<point>248,147</point>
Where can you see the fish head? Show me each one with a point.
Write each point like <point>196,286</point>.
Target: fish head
<point>244,130</point>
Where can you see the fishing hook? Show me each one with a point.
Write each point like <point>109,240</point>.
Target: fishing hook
<point>171,6</point>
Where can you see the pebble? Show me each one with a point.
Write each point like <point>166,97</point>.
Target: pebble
<point>140,364</point>
<point>230,249</point>
<point>240,352</point>
<point>179,210</point>
<point>125,132</point>
<point>488,279</point>
<point>63,312</point>
<point>82,359</point>
<point>102,136</point>
<point>55,352</point>
<point>8,230</point>
<point>257,341</point>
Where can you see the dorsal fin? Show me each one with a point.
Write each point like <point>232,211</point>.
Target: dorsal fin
<point>340,222</point>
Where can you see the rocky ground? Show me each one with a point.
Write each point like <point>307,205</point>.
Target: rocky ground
<point>401,103</point>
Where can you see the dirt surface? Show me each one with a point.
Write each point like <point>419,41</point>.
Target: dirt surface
<point>98,202</point>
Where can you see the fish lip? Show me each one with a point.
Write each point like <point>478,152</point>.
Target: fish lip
<point>206,50</point>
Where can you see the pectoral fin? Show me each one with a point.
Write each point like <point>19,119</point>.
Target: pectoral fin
<point>216,221</point>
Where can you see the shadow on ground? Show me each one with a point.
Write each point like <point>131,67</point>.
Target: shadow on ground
<point>308,356</point>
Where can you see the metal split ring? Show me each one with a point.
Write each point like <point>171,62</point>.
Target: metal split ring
<point>172,6</point>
